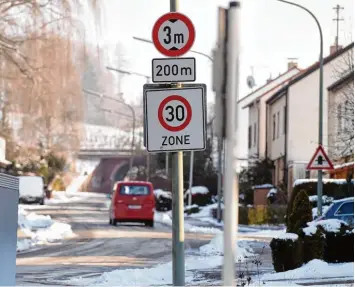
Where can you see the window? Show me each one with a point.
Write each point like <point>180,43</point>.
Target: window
<point>249,137</point>
<point>134,190</point>
<point>347,117</point>
<point>254,134</point>
<point>346,208</point>
<point>285,120</point>
<point>278,124</point>
<point>273,127</point>
<point>339,117</point>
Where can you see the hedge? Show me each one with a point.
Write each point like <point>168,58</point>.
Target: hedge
<point>313,241</point>
<point>199,199</point>
<point>287,253</point>
<point>271,214</point>
<point>336,189</point>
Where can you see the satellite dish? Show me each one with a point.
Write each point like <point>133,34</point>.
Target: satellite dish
<point>250,82</point>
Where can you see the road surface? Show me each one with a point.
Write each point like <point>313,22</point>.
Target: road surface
<point>97,247</point>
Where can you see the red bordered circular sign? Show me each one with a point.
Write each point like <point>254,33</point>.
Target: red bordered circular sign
<point>179,113</point>
<point>173,34</point>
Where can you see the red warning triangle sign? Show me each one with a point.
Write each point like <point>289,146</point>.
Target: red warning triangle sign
<point>320,160</point>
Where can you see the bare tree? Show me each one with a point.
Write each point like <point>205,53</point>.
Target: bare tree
<point>341,107</point>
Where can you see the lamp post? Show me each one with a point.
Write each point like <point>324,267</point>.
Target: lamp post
<point>320,119</point>
<point>133,128</point>
<point>192,152</point>
<point>133,119</point>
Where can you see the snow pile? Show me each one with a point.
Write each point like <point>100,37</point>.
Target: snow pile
<point>75,185</point>
<point>162,193</point>
<point>315,211</point>
<point>316,269</point>
<point>272,192</point>
<point>215,247</point>
<point>197,190</point>
<point>329,225</point>
<point>269,233</point>
<point>288,236</point>
<point>66,197</point>
<point>39,229</point>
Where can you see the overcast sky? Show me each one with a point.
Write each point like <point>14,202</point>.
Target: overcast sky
<point>271,32</point>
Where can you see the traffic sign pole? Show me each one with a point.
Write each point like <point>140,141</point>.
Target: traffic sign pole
<point>177,175</point>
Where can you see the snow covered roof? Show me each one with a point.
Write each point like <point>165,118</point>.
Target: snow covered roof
<point>266,185</point>
<point>343,165</point>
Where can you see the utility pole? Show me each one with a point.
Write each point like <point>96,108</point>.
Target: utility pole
<point>337,19</point>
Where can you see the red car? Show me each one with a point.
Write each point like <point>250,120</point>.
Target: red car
<point>132,201</point>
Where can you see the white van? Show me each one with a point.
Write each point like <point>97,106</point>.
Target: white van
<point>31,189</point>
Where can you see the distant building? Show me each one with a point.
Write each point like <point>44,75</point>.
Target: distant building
<point>292,119</point>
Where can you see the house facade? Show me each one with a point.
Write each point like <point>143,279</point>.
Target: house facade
<point>292,119</point>
<point>255,104</point>
<point>257,116</point>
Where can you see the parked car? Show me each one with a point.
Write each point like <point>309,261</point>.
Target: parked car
<point>31,189</point>
<point>132,201</point>
<point>342,209</point>
<point>163,200</point>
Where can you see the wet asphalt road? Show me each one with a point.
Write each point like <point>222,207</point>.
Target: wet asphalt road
<point>97,247</point>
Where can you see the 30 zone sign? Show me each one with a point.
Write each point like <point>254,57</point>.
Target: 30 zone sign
<point>167,70</point>
<point>175,119</point>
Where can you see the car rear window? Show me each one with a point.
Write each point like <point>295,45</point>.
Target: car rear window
<point>134,190</point>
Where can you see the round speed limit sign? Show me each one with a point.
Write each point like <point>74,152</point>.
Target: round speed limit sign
<point>174,113</point>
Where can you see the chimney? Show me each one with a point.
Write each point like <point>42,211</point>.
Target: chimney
<point>334,48</point>
<point>292,63</point>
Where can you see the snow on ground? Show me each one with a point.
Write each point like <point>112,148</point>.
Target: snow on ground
<point>165,218</point>
<point>75,185</point>
<point>66,197</point>
<point>161,274</point>
<point>39,229</point>
<point>316,269</point>
<point>197,190</point>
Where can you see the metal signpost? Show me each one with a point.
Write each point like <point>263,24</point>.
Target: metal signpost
<point>320,161</point>
<point>175,115</point>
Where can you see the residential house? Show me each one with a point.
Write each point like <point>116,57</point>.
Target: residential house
<point>292,119</point>
<point>257,111</point>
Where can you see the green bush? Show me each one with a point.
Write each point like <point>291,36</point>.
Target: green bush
<point>287,253</point>
<point>301,213</point>
<point>331,189</point>
<point>313,241</point>
<point>339,242</point>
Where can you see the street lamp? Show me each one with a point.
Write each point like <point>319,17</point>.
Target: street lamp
<point>320,129</point>
<point>133,113</point>
<point>192,152</point>
<point>133,120</point>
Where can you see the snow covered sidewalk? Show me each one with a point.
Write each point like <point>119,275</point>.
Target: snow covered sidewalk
<point>207,257</point>
<point>34,229</point>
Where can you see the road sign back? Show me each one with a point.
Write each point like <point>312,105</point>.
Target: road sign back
<point>173,34</point>
<point>320,161</point>
<point>175,119</point>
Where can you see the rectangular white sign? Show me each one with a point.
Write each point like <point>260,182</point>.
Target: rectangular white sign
<point>172,70</point>
<point>175,119</point>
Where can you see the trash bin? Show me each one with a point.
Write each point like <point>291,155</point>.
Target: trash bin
<point>9,197</point>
